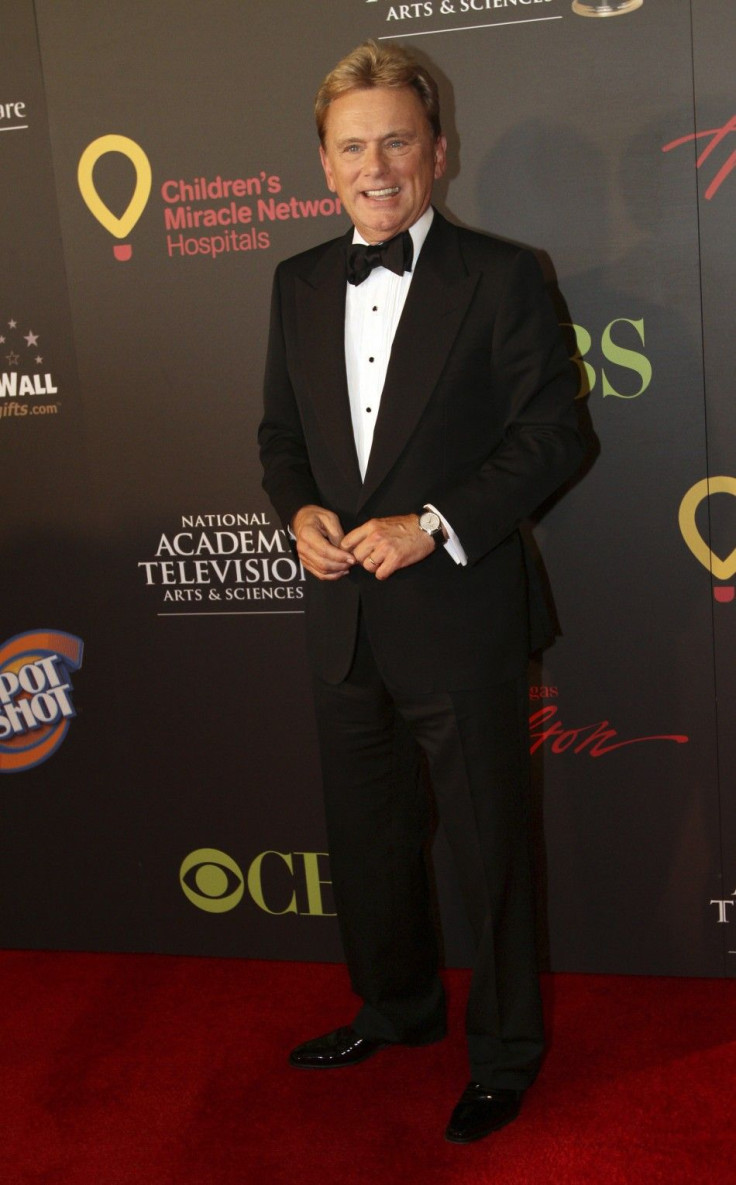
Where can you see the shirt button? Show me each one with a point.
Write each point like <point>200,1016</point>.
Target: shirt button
<point>371,359</point>
<point>368,409</point>
<point>375,308</point>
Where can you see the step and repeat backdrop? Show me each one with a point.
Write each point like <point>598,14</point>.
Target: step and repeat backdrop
<point>161,786</point>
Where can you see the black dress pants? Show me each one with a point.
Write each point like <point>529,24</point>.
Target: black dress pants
<point>378,819</point>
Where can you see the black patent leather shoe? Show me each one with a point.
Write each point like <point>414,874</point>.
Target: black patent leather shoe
<point>343,1047</point>
<point>482,1110</point>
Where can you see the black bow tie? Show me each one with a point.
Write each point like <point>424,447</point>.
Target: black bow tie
<point>396,254</point>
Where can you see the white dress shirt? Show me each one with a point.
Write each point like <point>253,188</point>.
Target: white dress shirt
<point>372,313</point>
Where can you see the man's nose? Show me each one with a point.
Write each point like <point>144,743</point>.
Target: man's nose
<point>374,162</point>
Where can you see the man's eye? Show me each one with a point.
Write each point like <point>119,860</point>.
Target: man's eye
<point>397,144</point>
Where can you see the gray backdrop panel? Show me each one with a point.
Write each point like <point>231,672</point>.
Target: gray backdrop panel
<point>146,533</point>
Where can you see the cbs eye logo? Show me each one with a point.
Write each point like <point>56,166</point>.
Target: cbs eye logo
<point>278,883</point>
<point>605,7</point>
<point>211,880</point>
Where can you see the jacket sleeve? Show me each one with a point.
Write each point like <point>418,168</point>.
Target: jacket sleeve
<point>541,446</point>
<point>287,476</point>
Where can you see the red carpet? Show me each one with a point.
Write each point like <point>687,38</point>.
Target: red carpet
<point>119,1069</point>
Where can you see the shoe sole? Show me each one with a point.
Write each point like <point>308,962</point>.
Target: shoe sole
<point>339,1065</point>
<point>299,1065</point>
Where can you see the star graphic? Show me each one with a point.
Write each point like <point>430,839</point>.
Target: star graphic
<point>13,359</point>
<point>31,339</point>
<point>12,324</point>
<point>39,359</point>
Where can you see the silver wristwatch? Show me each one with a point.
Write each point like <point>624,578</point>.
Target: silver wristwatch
<point>431,523</point>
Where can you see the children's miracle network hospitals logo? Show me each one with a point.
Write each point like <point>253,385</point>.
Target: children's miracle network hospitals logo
<point>35,696</point>
<point>120,227</point>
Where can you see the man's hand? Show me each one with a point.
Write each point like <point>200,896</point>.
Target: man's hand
<point>318,535</point>
<point>383,545</point>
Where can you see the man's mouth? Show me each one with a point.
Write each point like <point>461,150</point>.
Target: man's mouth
<point>391,191</point>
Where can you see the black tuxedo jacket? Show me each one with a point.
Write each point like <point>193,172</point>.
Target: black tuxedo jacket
<point>476,417</point>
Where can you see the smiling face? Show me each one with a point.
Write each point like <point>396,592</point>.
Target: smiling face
<point>381,158</point>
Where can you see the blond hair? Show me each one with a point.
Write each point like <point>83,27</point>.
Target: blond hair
<point>372,65</point>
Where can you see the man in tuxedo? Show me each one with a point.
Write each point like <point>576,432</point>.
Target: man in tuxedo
<point>418,405</point>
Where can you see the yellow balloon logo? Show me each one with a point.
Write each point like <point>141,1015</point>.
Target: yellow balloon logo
<point>119,227</point>
<point>721,569</point>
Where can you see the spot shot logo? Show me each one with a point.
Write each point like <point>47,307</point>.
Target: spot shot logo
<point>36,705</point>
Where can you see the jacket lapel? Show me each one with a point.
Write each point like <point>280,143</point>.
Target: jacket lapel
<point>438,298</point>
<point>320,313</point>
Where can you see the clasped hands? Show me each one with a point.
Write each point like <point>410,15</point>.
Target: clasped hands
<point>381,545</point>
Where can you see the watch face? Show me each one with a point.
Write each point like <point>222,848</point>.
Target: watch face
<point>429,521</point>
